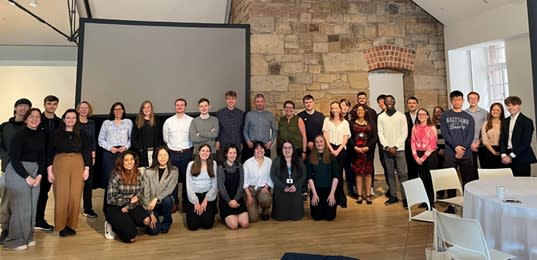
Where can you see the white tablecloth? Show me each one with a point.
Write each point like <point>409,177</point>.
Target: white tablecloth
<point>509,227</point>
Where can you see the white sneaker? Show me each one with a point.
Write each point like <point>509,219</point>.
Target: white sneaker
<point>19,248</point>
<point>108,233</point>
<point>31,243</point>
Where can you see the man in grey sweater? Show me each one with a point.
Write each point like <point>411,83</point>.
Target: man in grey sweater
<point>204,128</point>
<point>259,125</point>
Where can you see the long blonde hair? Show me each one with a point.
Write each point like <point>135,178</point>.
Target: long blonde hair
<point>140,118</point>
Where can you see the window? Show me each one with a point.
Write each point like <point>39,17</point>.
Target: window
<point>498,83</point>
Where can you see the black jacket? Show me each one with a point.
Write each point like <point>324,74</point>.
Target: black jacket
<point>521,139</point>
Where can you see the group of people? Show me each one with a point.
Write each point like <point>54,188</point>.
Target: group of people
<point>228,156</point>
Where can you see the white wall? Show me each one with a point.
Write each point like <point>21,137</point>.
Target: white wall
<point>34,83</point>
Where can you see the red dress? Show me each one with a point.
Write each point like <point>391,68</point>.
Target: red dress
<point>362,163</point>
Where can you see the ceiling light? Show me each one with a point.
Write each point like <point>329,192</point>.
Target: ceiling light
<point>33,3</point>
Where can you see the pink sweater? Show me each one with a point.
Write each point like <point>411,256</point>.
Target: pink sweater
<point>423,139</point>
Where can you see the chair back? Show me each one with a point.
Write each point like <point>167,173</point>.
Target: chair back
<point>415,194</point>
<point>494,173</point>
<point>460,232</point>
<point>445,179</point>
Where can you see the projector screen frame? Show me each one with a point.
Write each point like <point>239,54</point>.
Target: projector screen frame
<point>80,55</point>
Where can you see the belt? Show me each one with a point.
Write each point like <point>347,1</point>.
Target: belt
<point>182,151</point>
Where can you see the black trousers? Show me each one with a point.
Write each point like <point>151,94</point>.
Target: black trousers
<point>88,190</point>
<point>43,198</point>
<point>206,219</point>
<point>341,198</point>
<point>411,165</point>
<point>323,211</point>
<point>124,224</point>
<point>425,176</point>
<point>465,166</point>
<point>488,160</point>
<point>180,159</point>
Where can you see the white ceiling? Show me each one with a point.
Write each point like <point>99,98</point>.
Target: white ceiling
<point>19,28</point>
<point>450,11</point>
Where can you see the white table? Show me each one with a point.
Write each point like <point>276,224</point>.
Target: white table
<point>509,227</point>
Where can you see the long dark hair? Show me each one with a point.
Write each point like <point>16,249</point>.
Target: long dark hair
<point>61,131</point>
<point>128,177</point>
<point>195,170</point>
<point>294,159</point>
<point>488,126</point>
<point>155,165</point>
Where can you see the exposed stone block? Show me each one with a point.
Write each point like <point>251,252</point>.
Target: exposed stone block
<point>262,24</point>
<point>266,43</point>
<point>270,83</point>
<point>258,65</point>
<point>293,67</point>
<point>391,30</point>
<point>344,62</point>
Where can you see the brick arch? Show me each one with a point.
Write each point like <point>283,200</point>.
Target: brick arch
<point>390,57</point>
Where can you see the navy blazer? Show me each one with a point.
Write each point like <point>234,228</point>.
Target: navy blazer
<point>521,139</point>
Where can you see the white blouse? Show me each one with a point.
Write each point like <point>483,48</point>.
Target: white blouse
<point>336,132</point>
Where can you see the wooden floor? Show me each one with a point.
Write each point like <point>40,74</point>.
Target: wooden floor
<point>361,231</point>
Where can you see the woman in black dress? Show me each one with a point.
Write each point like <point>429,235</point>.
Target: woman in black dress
<point>230,181</point>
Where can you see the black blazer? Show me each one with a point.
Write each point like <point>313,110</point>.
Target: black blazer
<point>521,139</point>
<point>410,125</point>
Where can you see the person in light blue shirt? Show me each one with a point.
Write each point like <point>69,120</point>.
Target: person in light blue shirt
<point>114,138</point>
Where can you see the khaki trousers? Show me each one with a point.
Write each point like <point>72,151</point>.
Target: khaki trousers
<point>68,185</point>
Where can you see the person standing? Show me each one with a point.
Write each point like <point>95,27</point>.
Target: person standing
<point>68,168</point>
<point>49,124</point>
<point>87,128</point>
<point>382,106</point>
<point>259,125</point>
<point>437,161</point>
<point>291,127</point>
<point>146,134</point>
<point>480,116</point>
<point>490,138</point>
<point>114,138</point>
<point>24,173</point>
<point>349,173</point>
<point>337,132</point>
<point>313,121</point>
<point>392,132</point>
<point>411,117</point>
<point>458,131</point>
<point>423,144</point>
<point>515,139</point>
<point>204,128</point>
<point>231,122</point>
<point>175,133</point>
<point>364,139</point>
<point>7,133</point>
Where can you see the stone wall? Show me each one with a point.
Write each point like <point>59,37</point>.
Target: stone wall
<point>319,47</point>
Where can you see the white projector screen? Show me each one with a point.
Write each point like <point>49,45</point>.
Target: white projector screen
<point>132,61</point>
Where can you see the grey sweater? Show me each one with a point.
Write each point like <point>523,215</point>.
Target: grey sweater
<point>204,131</point>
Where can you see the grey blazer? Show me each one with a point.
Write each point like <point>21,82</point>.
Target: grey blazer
<point>153,188</point>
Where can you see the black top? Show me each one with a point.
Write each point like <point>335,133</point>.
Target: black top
<point>313,123</point>
<point>68,142</point>
<point>28,146</point>
<point>160,173</point>
<point>144,138</point>
<point>88,129</point>
<point>49,127</point>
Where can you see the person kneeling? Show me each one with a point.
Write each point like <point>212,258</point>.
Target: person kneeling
<point>201,190</point>
<point>322,179</point>
<point>124,212</point>
<point>159,181</point>
<point>230,182</point>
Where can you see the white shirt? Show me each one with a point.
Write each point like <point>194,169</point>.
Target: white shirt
<point>511,127</point>
<point>257,175</point>
<point>200,184</point>
<point>175,132</point>
<point>392,130</point>
<point>336,132</point>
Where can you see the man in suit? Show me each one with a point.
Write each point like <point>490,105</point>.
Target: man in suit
<point>515,139</point>
<point>412,106</point>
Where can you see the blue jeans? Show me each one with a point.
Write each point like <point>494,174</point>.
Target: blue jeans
<point>180,159</point>
<point>163,209</point>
